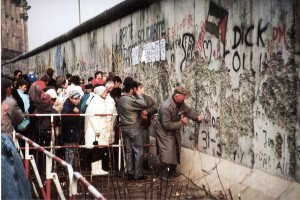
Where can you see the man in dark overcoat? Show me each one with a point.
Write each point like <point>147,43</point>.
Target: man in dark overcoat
<point>172,115</point>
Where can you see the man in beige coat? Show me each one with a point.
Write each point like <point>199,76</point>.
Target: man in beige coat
<point>172,115</point>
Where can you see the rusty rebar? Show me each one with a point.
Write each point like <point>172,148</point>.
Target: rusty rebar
<point>145,195</point>
<point>181,190</point>
<point>157,191</point>
<point>220,180</point>
<point>118,186</point>
<point>160,184</point>
<point>151,188</point>
<point>204,189</point>
<point>171,191</point>
<point>127,192</point>
<point>166,188</point>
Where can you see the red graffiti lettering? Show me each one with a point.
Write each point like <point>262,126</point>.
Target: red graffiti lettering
<point>279,33</point>
<point>201,38</point>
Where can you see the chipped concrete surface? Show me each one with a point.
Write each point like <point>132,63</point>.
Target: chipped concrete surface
<point>240,60</point>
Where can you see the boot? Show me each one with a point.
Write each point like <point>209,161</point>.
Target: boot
<point>97,168</point>
<point>166,172</point>
<point>145,161</point>
<point>174,172</point>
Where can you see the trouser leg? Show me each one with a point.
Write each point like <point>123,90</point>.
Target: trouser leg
<point>174,172</point>
<point>44,140</point>
<point>105,158</point>
<point>69,156</point>
<point>138,149</point>
<point>146,138</point>
<point>128,152</point>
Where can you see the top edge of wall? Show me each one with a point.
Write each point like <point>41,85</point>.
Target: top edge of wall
<point>119,11</point>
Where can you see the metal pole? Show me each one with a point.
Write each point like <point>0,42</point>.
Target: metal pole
<point>79,11</point>
<point>27,157</point>
<point>120,155</point>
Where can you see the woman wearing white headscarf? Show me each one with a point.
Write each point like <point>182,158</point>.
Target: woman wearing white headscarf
<point>96,126</point>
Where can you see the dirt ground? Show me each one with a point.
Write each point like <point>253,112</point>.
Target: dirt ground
<point>116,185</point>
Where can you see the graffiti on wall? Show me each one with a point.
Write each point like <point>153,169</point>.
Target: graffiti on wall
<point>241,73</point>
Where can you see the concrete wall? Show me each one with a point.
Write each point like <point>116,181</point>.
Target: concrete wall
<point>239,59</point>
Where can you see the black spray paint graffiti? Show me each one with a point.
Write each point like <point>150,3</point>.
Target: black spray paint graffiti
<point>207,50</point>
<point>238,155</point>
<point>208,140</point>
<point>188,43</point>
<point>126,34</point>
<point>215,122</point>
<point>298,152</point>
<point>241,37</point>
<point>281,167</point>
<point>264,159</point>
<point>278,145</point>
<point>153,32</point>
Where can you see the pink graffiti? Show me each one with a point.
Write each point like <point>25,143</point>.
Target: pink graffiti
<point>201,38</point>
<point>279,33</point>
<point>187,23</point>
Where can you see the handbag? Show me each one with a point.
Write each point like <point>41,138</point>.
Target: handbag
<point>95,142</point>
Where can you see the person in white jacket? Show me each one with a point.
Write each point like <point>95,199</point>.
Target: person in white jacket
<point>110,109</point>
<point>96,126</point>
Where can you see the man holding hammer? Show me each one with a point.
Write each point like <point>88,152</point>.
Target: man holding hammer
<point>172,115</point>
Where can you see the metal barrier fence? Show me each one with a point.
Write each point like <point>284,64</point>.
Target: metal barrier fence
<point>52,138</point>
<point>74,177</point>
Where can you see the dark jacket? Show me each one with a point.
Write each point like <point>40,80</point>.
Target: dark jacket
<point>129,109</point>
<point>17,97</point>
<point>52,83</point>
<point>70,125</point>
<point>44,123</point>
<point>151,109</point>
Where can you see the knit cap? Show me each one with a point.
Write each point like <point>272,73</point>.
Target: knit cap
<point>74,94</point>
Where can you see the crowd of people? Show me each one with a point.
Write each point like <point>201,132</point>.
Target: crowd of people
<point>129,109</point>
